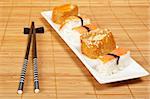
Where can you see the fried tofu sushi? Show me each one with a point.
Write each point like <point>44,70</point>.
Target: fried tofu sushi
<point>60,13</point>
<point>95,44</point>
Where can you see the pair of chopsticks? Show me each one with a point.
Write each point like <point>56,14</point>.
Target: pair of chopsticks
<point>32,32</point>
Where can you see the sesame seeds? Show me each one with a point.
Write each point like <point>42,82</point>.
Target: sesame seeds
<point>93,39</point>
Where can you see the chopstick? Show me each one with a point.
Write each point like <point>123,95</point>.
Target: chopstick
<point>24,68</point>
<point>35,65</point>
<point>31,32</point>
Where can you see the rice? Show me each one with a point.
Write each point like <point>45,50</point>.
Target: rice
<point>109,68</point>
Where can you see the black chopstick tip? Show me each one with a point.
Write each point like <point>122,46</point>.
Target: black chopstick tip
<point>20,92</point>
<point>32,22</point>
<point>37,90</point>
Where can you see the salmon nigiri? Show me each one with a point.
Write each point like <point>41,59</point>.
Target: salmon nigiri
<point>114,61</point>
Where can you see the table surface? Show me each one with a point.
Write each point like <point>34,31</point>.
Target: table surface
<point>61,73</point>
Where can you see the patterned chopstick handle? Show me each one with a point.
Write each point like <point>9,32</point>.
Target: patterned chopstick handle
<point>36,81</point>
<point>22,76</point>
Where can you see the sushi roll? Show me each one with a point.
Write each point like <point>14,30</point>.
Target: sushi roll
<point>95,44</point>
<point>74,21</point>
<point>114,61</point>
<point>60,13</point>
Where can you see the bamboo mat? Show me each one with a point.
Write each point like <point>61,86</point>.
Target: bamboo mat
<point>61,74</point>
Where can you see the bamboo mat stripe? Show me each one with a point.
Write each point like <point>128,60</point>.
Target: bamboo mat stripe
<point>61,73</point>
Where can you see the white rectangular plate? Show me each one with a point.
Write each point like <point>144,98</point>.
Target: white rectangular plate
<point>134,70</point>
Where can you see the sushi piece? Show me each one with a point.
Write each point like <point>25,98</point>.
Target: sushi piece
<point>86,28</point>
<point>74,21</point>
<point>95,44</point>
<point>60,13</point>
<point>114,61</point>
<point>78,31</point>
